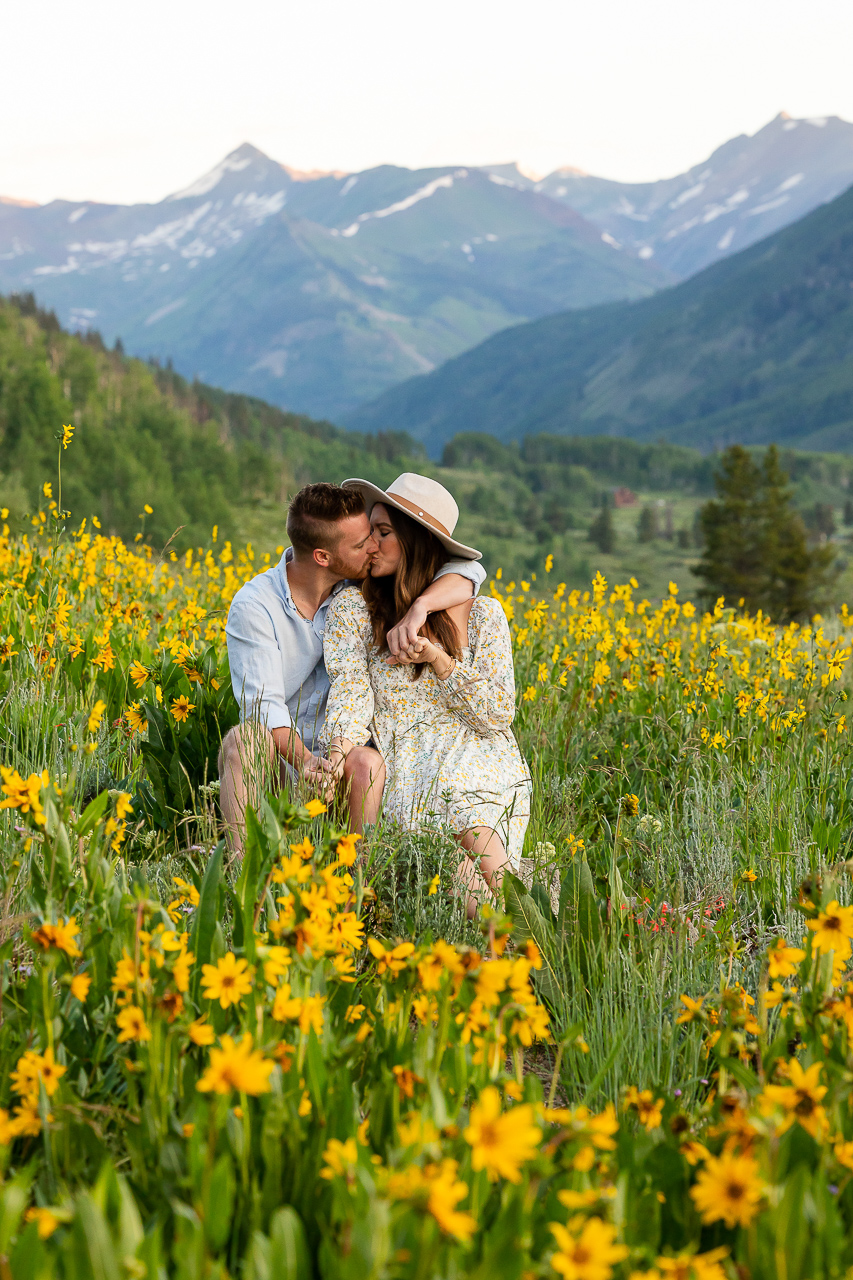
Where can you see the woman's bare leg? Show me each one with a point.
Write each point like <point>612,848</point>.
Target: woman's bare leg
<point>364,779</point>
<point>482,885</point>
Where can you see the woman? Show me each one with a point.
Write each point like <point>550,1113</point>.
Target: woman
<point>442,719</point>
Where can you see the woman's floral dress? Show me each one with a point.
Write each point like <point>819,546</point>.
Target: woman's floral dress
<point>447,744</point>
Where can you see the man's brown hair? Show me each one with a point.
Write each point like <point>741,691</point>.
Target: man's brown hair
<point>314,512</point>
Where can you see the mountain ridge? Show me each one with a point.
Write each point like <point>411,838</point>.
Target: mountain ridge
<point>318,291</point>
<point>756,348</point>
<point>315,294</point>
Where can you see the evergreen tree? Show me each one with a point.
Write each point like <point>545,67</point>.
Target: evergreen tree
<point>601,531</point>
<point>848,511</point>
<point>755,546</point>
<point>647,525</point>
<point>821,521</point>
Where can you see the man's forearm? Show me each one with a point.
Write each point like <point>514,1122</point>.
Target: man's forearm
<point>445,592</point>
<point>291,748</point>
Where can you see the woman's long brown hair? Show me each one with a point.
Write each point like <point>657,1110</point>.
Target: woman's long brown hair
<point>389,598</point>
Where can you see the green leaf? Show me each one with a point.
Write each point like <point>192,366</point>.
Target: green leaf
<point>205,914</point>
<point>131,1232</point>
<point>27,1259</point>
<point>540,896</point>
<point>13,1198</point>
<point>92,814</point>
<point>247,884</point>
<point>589,916</point>
<point>220,1202</point>
<point>316,1073</point>
<point>569,891</point>
<point>530,925</point>
<point>618,901</point>
<point>94,1234</point>
<point>289,1248</point>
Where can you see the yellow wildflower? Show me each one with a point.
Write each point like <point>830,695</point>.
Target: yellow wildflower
<point>501,1143</point>
<point>728,1189</point>
<point>227,981</point>
<point>236,1066</point>
<point>133,1026</point>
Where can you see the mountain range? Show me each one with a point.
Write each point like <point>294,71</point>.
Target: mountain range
<point>753,349</point>
<point>748,188</point>
<point>318,292</point>
<point>315,292</point>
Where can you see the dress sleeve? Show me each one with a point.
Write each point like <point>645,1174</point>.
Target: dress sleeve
<point>481,692</point>
<point>346,640</point>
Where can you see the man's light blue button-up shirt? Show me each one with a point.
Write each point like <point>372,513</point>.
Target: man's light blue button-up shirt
<point>276,656</point>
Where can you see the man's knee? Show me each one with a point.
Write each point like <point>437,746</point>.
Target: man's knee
<point>365,765</point>
<point>245,746</point>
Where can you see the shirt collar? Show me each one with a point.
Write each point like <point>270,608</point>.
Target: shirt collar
<point>285,586</point>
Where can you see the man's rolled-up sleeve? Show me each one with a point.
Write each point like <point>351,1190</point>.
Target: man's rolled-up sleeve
<point>256,667</point>
<point>470,569</point>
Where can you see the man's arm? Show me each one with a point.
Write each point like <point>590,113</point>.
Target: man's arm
<point>447,589</point>
<point>256,677</point>
<point>291,748</point>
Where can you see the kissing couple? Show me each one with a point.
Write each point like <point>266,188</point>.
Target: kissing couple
<point>366,661</point>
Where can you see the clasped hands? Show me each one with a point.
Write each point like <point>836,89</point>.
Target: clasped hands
<point>405,643</point>
<point>406,646</point>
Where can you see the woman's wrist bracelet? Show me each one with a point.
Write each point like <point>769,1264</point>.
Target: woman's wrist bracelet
<point>450,669</point>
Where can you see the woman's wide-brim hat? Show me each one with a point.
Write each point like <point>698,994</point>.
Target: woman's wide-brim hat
<point>426,501</point>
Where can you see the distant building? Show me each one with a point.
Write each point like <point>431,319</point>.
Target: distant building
<point>624,497</point>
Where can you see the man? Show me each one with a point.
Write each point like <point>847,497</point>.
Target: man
<point>275,649</point>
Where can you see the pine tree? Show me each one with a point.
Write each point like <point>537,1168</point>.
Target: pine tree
<point>601,531</point>
<point>755,545</point>
<point>647,525</point>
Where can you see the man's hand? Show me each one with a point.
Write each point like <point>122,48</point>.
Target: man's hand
<point>320,773</point>
<point>404,642</point>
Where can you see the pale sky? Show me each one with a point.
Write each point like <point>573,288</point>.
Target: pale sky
<point>121,101</point>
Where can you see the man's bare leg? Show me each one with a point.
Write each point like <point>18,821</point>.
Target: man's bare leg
<point>247,762</point>
<point>483,885</point>
<point>364,780</point>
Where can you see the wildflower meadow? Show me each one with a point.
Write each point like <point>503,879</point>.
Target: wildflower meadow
<point>308,1063</point>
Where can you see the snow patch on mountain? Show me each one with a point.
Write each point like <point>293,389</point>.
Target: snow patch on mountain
<point>399,206</point>
<point>690,194</point>
<point>162,312</point>
<point>207,182</point>
<point>169,233</point>
<point>766,207</point>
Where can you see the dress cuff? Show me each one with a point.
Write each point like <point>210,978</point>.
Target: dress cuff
<point>355,733</point>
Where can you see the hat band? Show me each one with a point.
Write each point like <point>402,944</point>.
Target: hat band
<point>423,515</point>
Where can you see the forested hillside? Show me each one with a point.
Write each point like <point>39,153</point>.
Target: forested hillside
<point>200,457</point>
<point>195,454</point>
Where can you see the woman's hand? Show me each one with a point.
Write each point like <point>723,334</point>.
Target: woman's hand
<point>423,650</point>
<point>402,638</point>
